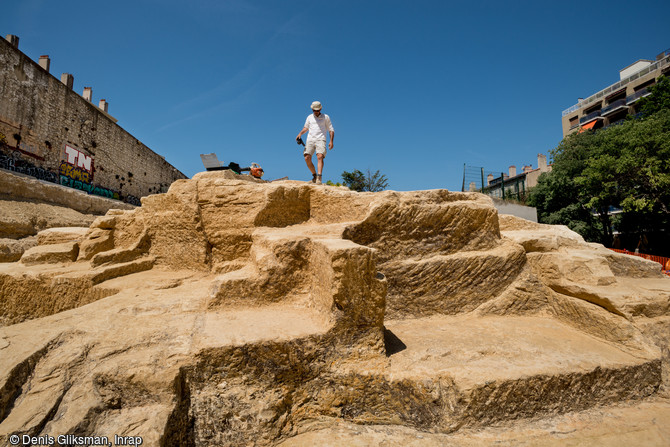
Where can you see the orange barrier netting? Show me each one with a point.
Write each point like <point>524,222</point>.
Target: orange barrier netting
<point>665,262</point>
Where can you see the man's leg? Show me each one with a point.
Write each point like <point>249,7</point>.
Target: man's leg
<point>320,156</point>
<point>310,148</point>
<point>310,165</point>
<point>319,163</point>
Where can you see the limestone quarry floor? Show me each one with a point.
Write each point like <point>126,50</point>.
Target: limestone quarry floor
<point>625,425</point>
<point>166,307</point>
<point>169,313</point>
<point>475,350</point>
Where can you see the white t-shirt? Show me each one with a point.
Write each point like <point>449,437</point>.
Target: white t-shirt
<point>318,127</point>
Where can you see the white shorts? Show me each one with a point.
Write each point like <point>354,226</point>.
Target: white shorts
<point>318,146</point>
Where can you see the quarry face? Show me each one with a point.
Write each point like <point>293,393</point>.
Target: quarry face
<point>234,312</point>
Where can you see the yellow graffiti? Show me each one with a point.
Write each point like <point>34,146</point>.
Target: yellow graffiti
<point>74,172</point>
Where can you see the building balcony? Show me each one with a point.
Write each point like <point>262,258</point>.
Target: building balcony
<point>590,117</point>
<point>637,95</point>
<point>616,106</point>
<point>588,102</point>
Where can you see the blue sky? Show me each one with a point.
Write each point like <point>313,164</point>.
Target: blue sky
<point>414,89</point>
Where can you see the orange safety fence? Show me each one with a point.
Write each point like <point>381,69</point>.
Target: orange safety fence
<point>665,262</point>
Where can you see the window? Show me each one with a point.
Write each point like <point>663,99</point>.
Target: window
<point>593,108</point>
<point>574,122</point>
<point>644,85</point>
<point>621,94</point>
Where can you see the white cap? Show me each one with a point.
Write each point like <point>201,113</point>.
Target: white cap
<point>316,105</point>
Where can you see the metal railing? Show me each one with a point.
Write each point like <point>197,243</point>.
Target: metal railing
<point>614,87</point>
<point>618,104</point>
<point>591,116</point>
<point>637,95</point>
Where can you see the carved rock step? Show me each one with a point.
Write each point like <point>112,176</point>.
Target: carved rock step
<point>241,327</point>
<point>444,374</point>
<point>51,254</point>
<point>482,371</point>
<point>33,292</point>
<point>474,350</point>
<point>450,284</point>
<point>60,235</point>
<point>20,218</point>
<point>125,353</point>
<point>616,426</point>
<point>335,277</point>
<point>126,268</point>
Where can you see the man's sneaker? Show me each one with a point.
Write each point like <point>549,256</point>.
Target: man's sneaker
<point>313,178</point>
<point>318,179</point>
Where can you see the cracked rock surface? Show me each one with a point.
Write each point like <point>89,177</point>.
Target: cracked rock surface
<point>234,312</point>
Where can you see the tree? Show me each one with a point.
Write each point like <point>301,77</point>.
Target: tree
<point>354,180</point>
<point>626,167</point>
<point>360,182</point>
<point>558,197</point>
<point>644,167</point>
<point>659,98</point>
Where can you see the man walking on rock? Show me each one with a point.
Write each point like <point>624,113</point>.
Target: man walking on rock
<point>318,125</point>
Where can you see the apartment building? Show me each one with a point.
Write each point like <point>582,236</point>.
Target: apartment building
<point>516,185</point>
<point>615,102</point>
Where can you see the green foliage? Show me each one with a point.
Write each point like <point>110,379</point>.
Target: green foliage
<point>659,98</point>
<point>330,183</point>
<point>357,181</point>
<point>354,180</point>
<point>625,166</point>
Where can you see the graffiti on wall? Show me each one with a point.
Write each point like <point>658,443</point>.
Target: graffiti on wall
<point>74,172</point>
<point>89,188</point>
<point>71,176</point>
<point>80,162</point>
<point>33,151</point>
<point>24,167</point>
<point>132,200</point>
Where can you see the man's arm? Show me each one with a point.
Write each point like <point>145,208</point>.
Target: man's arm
<point>331,131</point>
<point>302,132</point>
<point>305,129</point>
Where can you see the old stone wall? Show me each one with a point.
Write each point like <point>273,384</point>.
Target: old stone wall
<point>49,131</point>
